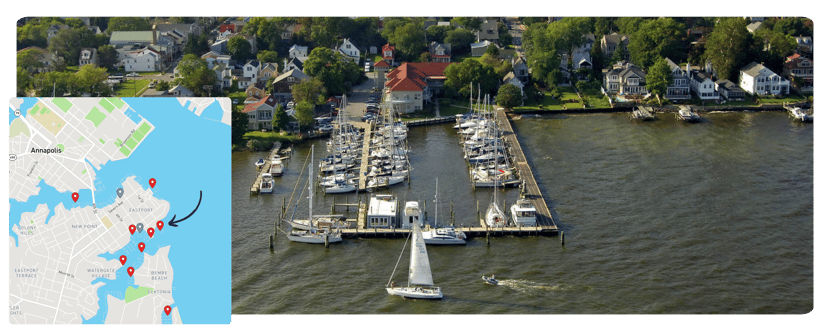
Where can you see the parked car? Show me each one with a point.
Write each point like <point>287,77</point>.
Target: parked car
<point>326,128</point>
<point>368,68</point>
<point>133,74</point>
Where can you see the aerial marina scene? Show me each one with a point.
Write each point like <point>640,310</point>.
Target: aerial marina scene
<point>419,183</point>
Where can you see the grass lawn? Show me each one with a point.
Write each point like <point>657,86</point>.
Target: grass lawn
<point>240,96</point>
<point>461,58</point>
<point>270,136</point>
<point>595,99</point>
<point>739,103</point>
<point>72,69</point>
<point>130,87</point>
<point>548,103</point>
<point>789,98</point>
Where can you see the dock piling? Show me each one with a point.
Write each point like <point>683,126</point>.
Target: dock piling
<point>271,240</point>
<point>562,238</point>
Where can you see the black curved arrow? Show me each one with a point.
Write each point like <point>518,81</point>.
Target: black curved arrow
<point>173,221</point>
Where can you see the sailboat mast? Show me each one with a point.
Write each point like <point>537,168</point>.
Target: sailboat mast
<point>436,202</point>
<point>310,183</point>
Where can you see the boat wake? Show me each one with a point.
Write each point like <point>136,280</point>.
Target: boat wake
<point>533,288</point>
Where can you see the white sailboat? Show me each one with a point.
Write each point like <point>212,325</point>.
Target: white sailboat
<point>420,284</point>
<point>443,235</point>
<point>314,235</point>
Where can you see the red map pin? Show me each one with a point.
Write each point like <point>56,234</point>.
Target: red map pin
<point>130,271</point>
<point>167,310</point>
<point>159,224</point>
<point>151,231</point>
<point>75,196</point>
<point>141,247</point>
<point>123,259</point>
<point>132,228</point>
<point>152,182</point>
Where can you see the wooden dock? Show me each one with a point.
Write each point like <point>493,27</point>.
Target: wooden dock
<point>265,168</point>
<point>543,216</point>
<point>364,156</point>
<point>430,121</point>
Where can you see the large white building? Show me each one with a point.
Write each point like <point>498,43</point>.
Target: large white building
<point>411,84</point>
<point>145,59</point>
<point>756,78</point>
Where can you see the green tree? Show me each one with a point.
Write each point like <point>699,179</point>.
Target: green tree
<point>93,80</point>
<point>504,35</point>
<point>268,57</point>
<point>629,25</point>
<point>791,26</point>
<point>437,33</point>
<point>324,31</point>
<point>54,83</point>
<point>239,125</point>
<point>162,86</point>
<point>239,49</point>
<point>128,24</point>
<point>337,73</point>
<point>542,55</point>
<point>509,96</point>
<point>197,45</point>
<point>31,34</point>
<point>304,115</point>
<point>310,91</point>
<point>268,31</point>
<point>492,50</point>
<point>460,40</point>
<point>659,78</point>
<point>107,56</point>
<point>196,75</point>
<point>655,40</point>
<point>280,119</point>
<point>569,33</point>
<point>460,75</point>
<point>23,81</point>
<point>29,60</point>
<point>725,46</point>
<point>603,26</point>
<point>469,23</point>
<point>408,38</point>
<point>66,44</point>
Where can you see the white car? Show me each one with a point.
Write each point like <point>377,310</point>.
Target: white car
<point>368,68</point>
<point>133,74</point>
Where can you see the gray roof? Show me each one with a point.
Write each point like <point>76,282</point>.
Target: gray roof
<point>753,69</point>
<point>293,72</point>
<point>132,36</point>
<point>700,76</point>
<point>753,26</point>
<point>672,65</point>
<point>727,84</point>
<point>508,77</point>
<point>254,63</point>
<point>296,62</point>
<point>615,38</point>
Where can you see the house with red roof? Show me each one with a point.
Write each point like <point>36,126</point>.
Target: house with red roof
<point>226,30</point>
<point>388,53</point>
<point>260,113</point>
<point>411,85</point>
<point>801,67</point>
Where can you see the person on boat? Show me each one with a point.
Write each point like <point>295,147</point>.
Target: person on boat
<point>493,276</point>
<point>393,284</point>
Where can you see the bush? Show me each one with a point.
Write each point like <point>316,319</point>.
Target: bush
<point>259,145</point>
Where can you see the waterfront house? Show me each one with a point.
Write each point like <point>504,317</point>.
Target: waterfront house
<point>293,64</point>
<point>520,69</point>
<point>679,88</point>
<point>349,50</point>
<point>729,90</point>
<point>260,113</point>
<point>510,78</point>
<point>799,69</point>
<point>703,85</point>
<point>580,55</point>
<point>440,52</point>
<point>88,56</point>
<point>251,70</point>
<point>267,71</point>
<point>625,79</point>
<point>756,78</point>
<point>410,85</point>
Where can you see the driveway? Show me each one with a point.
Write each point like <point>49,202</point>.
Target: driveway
<point>360,94</point>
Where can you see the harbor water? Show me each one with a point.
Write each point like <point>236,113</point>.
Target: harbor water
<point>659,217</point>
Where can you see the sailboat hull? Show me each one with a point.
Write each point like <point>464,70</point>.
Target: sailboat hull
<point>416,292</point>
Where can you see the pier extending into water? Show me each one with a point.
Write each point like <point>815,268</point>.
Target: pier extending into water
<point>265,168</point>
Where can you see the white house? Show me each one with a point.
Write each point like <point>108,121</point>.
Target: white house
<point>703,86</point>
<point>146,59</point>
<point>349,50</point>
<point>756,78</point>
<point>298,52</point>
<point>180,91</point>
<point>251,70</point>
<point>88,56</point>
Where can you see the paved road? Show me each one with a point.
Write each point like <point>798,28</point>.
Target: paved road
<point>360,94</point>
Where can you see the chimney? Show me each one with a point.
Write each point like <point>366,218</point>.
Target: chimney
<point>284,65</point>
<point>154,34</point>
<point>688,70</point>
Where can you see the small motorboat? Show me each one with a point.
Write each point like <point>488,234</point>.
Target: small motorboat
<point>490,280</point>
<point>259,163</point>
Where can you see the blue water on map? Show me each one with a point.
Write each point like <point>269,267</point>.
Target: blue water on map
<point>133,115</point>
<point>49,196</point>
<point>213,112</point>
<point>24,107</point>
<point>186,154</point>
<point>167,319</point>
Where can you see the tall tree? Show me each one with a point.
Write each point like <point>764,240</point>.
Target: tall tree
<point>311,91</point>
<point>31,34</point>
<point>460,75</point>
<point>542,55</point>
<point>66,44</point>
<point>437,33</point>
<point>509,96</point>
<point>280,119</point>
<point>655,40</point>
<point>337,73</point>
<point>725,46</point>
<point>268,56</point>
<point>195,75</point>
<point>569,33</point>
<point>239,125</point>
<point>239,49</point>
<point>197,45</point>
<point>504,35</point>
<point>659,78</point>
<point>469,23</point>
<point>30,60</point>
<point>93,80</point>
<point>629,25</point>
<point>128,24</point>
<point>325,30</point>
<point>23,81</point>
<point>460,40</point>
<point>408,37</point>
<point>107,56</point>
<point>304,115</point>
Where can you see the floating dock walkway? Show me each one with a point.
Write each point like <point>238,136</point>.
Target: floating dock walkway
<point>265,168</point>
